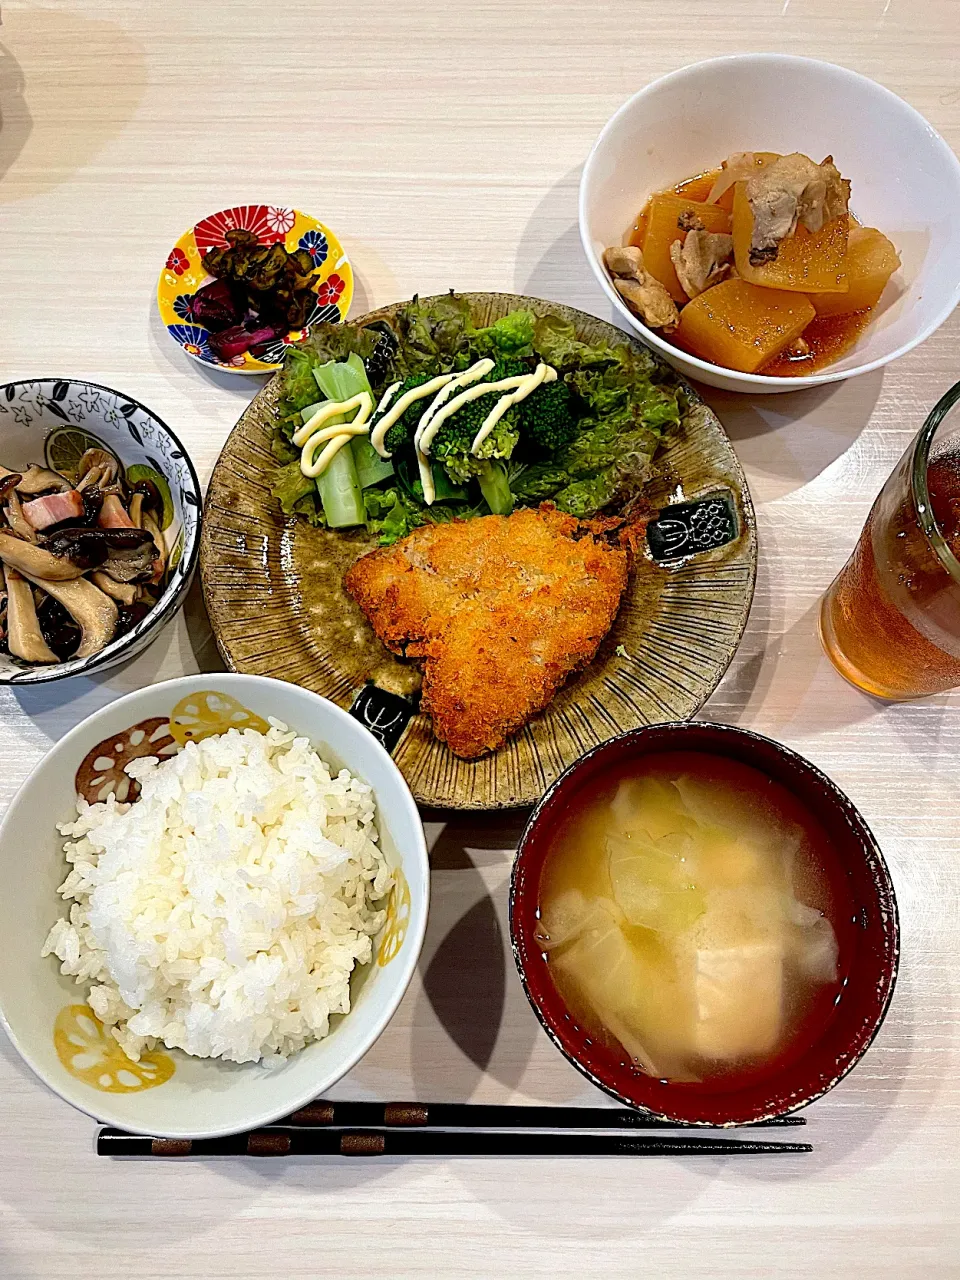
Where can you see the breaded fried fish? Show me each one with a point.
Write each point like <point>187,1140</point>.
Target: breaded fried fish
<point>498,611</point>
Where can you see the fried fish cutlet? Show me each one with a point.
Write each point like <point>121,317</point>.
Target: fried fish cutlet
<point>498,611</point>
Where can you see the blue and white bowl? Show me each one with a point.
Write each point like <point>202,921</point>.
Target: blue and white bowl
<point>29,412</point>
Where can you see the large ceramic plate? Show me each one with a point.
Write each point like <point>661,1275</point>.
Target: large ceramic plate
<point>274,592</point>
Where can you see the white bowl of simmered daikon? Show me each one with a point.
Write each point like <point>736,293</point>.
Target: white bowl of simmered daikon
<point>704,924</point>
<point>768,222</point>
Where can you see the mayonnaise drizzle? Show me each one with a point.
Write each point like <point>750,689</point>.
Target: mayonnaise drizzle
<point>542,373</point>
<point>466,397</point>
<point>379,431</point>
<point>473,374</point>
<point>520,387</point>
<point>331,409</point>
<point>312,434</point>
<point>397,410</point>
<point>426,478</point>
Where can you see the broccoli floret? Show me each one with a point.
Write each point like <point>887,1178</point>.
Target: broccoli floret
<point>451,445</point>
<point>547,419</point>
<point>495,487</point>
<point>402,431</point>
<point>508,369</point>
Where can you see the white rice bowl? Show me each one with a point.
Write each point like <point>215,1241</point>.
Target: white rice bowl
<point>225,911</point>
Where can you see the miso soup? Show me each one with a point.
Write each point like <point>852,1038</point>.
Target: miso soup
<point>686,915</point>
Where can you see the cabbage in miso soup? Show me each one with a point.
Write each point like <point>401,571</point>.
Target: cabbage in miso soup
<point>684,912</point>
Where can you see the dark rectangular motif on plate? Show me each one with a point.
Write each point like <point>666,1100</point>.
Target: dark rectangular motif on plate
<point>384,714</point>
<point>687,528</point>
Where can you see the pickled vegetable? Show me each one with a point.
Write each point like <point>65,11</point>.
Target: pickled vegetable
<point>742,326</point>
<point>806,262</point>
<point>871,261</point>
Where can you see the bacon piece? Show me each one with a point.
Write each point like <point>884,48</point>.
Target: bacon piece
<point>53,508</point>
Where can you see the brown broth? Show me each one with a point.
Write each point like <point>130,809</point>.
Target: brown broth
<point>581,858</point>
<point>828,337</point>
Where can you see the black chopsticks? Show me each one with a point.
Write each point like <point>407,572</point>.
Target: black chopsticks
<point>474,1115</point>
<point>432,1142</point>
<point>454,1129</point>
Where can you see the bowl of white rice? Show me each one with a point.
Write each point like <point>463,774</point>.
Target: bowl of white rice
<point>215,896</point>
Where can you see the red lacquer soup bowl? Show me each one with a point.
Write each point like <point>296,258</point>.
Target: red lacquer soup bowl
<point>842,1026</point>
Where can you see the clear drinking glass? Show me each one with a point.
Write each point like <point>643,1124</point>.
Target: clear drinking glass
<point>890,622</point>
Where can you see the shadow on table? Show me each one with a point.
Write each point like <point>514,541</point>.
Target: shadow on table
<point>875,1110</point>
<point>550,262</point>
<point>786,440</point>
<point>813,697</point>
<point>200,637</point>
<point>241,386</point>
<point>68,119</point>
<point>16,122</point>
<point>360,303</point>
<point>468,980</point>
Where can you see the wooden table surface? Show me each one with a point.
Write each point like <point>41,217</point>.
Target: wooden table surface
<point>444,144</point>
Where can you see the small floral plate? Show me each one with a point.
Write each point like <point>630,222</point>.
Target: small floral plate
<point>183,275</point>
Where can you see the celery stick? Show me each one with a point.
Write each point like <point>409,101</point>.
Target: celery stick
<point>371,468</point>
<point>339,380</point>
<point>340,493</point>
<point>339,486</point>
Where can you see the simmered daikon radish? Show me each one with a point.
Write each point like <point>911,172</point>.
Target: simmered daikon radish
<point>684,915</point>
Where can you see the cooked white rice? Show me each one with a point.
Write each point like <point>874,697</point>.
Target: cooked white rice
<point>225,910</point>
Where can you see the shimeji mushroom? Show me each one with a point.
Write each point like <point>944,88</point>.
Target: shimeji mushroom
<point>146,497</point>
<point>160,560</point>
<point>97,467</point>
<point>17,521</point>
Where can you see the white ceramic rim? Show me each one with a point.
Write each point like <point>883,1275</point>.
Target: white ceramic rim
<point>748,380</point>
<point>266,1117</point>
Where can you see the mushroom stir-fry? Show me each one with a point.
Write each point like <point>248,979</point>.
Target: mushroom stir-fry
<point>82,557</point>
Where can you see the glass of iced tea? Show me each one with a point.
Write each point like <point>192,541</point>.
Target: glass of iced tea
<point>890,622</point>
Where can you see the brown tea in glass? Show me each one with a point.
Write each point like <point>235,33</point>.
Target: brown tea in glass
<point>890,622</point>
